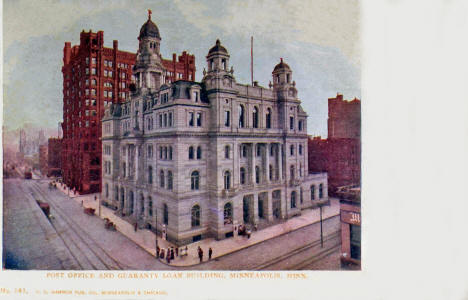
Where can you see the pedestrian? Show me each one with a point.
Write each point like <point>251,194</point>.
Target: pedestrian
<point>177,251</point>
<point>157,251</point>
<point>168,257</point>
<point>95,197</point>
<point>81,203</point>
<point>161,255</point>
<point>210,253</point>
<point>172,253</point>
<point>136,226</point>
<point>200,255</point>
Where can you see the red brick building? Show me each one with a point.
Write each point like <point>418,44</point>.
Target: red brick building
<point>94,77</point>
<point>43,153</point>
<point>340,153</point>
<point>54,159</point>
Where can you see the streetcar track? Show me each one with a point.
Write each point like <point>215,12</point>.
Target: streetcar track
<point>84,240</point>
<point>296,251</point>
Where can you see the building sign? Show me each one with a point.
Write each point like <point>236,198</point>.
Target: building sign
<point>351,217</point>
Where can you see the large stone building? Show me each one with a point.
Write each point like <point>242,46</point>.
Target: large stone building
<point>197,159</point>
<point>54,157</point>
<point>94,77</point>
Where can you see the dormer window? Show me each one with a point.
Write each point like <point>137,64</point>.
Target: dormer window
<point>224,64</point>
<point>195,96</point>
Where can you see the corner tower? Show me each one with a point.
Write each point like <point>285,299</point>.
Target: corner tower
<point>148,68</point>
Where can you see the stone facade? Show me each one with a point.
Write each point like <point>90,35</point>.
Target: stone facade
<point>195,160</point>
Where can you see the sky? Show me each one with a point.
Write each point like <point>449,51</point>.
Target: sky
<point>319,40</point>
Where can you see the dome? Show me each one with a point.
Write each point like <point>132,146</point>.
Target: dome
<point>149,29</point>
<point>218,48</point>
<point>281,66</point>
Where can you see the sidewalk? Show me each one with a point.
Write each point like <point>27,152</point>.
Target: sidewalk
<point>146,238</point>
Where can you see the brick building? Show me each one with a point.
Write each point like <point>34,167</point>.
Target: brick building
<point>54,159</point>
<point>340,153</point>
<point>43,158</point>
<point>94,77</point>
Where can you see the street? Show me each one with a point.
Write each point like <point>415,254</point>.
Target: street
<point>74,240</point>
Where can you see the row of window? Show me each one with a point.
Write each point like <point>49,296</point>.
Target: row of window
<point>192,121</point>
<point>312,195</point>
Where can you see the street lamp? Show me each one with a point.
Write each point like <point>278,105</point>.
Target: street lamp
<point>320,205</point>
<point>156,234</point>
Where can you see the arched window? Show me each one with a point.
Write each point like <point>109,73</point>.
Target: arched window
<point>166,214</point>
<point>195,215</point>
<point>312,192</point>
<point>150,207</point>
<point>226,151</point>
<point>199,152</point>
<point>161,179</point>
<point>291,149</point>
<point>150,174</point>
<point>195,180</point>
<point>165,152</point>
<point>292,171</point>
<point>300,149</point>
<point>190,152</point>
<point>227,180</point>
<point>268,118</point>
<point>293,199</point>
<point>255,117</point>
<point>228,213</point>
<point>271,172</point>
<point>169,180</point>
<point>170,153</point>
<point>301,196</point>
<point>321,191</point>
<point>241,116</point>
<point>257,174</point>
<point>242,176</point>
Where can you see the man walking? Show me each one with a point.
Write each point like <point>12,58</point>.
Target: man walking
<point>200,254</point>
<point>210,252</point>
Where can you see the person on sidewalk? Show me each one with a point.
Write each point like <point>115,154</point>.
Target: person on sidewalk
<point>136,226</point>
<point>210,252</point>
<point>172,253</point>
<point>157,251</point>
<point>200,255</point>
<point>95,197</point>
<point>177,251</point>
<point>161,255</point>
<point>168,256</point>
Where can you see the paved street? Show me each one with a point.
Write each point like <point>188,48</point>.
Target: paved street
<point>74,240</point>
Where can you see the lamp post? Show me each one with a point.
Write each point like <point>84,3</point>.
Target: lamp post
<point>321,225</point>
<point>156,234</point>
<point>99,203</point>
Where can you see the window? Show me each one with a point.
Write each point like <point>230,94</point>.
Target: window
<point>170,120</point>
<point>165,120</point>
<point>291,150</point>
<point>272,150</point>
<point>226,152</point>
<point>170,153</point>
<point>321,191</point>
<point>199,119</point>
<point>93,71</point>
<point>312,192</point>
<point>244,151</point>
<point>195,96</point>
<point>227,180</point>
<point>257,174</point>
<point>259,150</point>
<point>301,196</point>
<point>190,152</point>
<point>268,118</point>
<point>291,123</point>
<point>124,170</point>
<point>150,207</point>
<point>228,213</point>
<point>255,117</point>
<point>150,174</point>
<point>300,125</point>
<point>169,180</point>
<point>107,190</point>
<point>195,216</point>
<point>241,116</point>
<point>271,172</point>
<point>191,120</point>
<point>166,215</point>
<point>165,152</point>
<point>93,82</point>
<point>199,152</point>
<point>292,171</point>
<point>242,176</point>
<point>161,179</point>
<point>293,199</point>
<point>160,121</point>
<point>195,180</point>
<point>300,149</point>
<point>160,152</point>
<point>227,118</point>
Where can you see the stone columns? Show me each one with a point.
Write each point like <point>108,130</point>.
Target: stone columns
<point>269,206</point>
<point>280,161</point>
<point>267,163</point>
<point>252,163</point>
<point>255,208</point>
<point>127,162</point>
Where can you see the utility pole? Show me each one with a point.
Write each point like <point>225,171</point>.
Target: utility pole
<point>321,227</point>
<point>251,59</point>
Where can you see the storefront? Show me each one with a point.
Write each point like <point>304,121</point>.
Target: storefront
<point>350,216</point>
